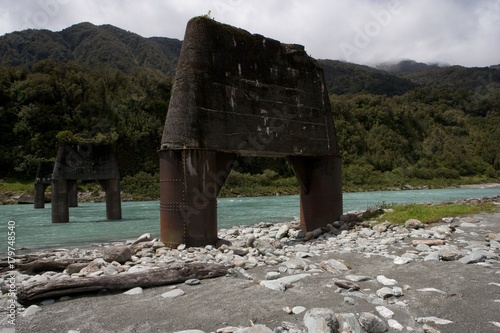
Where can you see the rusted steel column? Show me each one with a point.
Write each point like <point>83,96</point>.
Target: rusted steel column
<point>113,198</point>
<point>190,181</point>
<point>60,208</point>
<point>72,194</point>
<point>320,190</point>
<point>39,199</point>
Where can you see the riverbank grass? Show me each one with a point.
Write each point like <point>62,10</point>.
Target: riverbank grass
<point>16,186</point>
<point>399,214</point>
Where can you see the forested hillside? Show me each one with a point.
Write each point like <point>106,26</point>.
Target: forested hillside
<point>394,126</point>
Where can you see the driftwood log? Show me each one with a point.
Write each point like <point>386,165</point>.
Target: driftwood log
<point>176,273</point>
<point>44,265</point>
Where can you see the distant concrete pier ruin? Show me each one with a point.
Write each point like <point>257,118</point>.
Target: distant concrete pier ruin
<point>82,161</point>
<point>238,94</point>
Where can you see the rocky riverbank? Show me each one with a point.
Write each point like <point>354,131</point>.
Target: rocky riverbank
<point>353,276</point>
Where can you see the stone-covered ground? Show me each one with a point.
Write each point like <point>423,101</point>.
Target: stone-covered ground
<point>350,277</point>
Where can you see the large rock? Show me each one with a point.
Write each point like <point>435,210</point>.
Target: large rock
<point>320,320</point>
<point>413,224</point>
<point>263,247</point>
<point>450,253</point>
<point>281,283</point>
<point>120,254</point>
<point>372,324</point>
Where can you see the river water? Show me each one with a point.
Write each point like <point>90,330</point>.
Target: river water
<point>88,224</point>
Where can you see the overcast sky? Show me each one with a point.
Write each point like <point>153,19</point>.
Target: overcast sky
<point>461,32</point>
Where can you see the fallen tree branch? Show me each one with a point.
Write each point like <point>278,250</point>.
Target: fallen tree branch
<point>44,265</point>
<point>176,273</point>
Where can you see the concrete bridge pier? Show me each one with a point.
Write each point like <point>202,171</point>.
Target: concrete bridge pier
<point>320,189</point>
<point>39,199</point>
<point>60,199</point>
<point>113,198</point>
<point>190,181</point>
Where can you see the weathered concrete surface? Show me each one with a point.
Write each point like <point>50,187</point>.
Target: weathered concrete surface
<point>235,91</point>
<point>84,161</point>
<point>241,94</point>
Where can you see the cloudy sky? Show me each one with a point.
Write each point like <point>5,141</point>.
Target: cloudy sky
<point>461,32</point>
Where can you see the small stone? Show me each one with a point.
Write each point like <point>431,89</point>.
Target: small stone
<point>450,254</point>
<point>256,329</point>
<point>386,281</point>
<point>282,232</point>
<point>371,323</point>
<point>385,292</point>
<point>357,278</point>
<point>350,301</point>
<point>435,320</point>
<point>287,310</point>
<point>181,247</point>
<point>413,224</point>
<point>272,275</point>
<point>134,291</point>
<point>422,247</point>
<point>401,260</point>
<point>157,245</point>
<point>395,325</point>
<point>96,273</point>
<point>384,312</point>
<point>47,301</point>
<point>348,323</point>
<point>433,256</point>
<point>492,237</point>
<point>110,270</point>
<point>296,263</point>
<point>31,310</point>
<point>75,268</point>
<point>468,225</point>
<point>428,242</point>
<point>73,331</point>
<point>173,293</point>
<point>320,320</point>
<point>334,266</point>
<point>120,254</point>
<point>190,331</point>
<point>281,283</point>
<point>192,282</point>
<point>473,258</point>
<point>263,247</point>
<point>239,272</point>
<point>298,309</point>
<point>397,291</point>
<point>447,219</point>
<point>429,329</point>
<point>346,284</point>
<point>143,238</point>
<point>434,290</point>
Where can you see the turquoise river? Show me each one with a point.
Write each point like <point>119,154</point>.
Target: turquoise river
<point>88,224</point>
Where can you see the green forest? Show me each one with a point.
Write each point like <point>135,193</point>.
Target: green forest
<point>431,126</point>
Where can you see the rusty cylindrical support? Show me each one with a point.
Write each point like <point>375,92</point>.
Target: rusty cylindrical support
<point>60,207</point>
<point>190,181</point>
<point>39,199</point>
<point>320,190</point>
<point>113,198</point>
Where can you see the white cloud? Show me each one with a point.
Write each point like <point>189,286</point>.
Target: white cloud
<point>363,31</point>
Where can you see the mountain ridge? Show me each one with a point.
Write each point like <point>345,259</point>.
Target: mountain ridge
<point>106,44</point>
